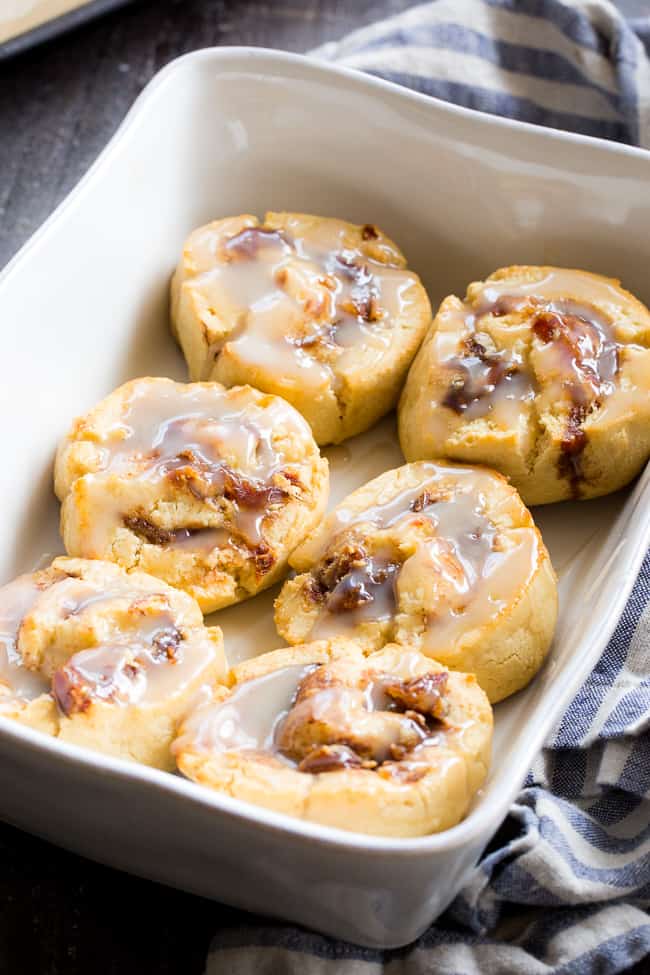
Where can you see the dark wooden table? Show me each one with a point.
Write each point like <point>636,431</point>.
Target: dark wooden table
<point>59,105</point>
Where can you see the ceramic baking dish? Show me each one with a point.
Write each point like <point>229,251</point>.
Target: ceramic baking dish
<point>83,307</point>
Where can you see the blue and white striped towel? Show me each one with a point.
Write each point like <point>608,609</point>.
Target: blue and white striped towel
<point>565,885</point>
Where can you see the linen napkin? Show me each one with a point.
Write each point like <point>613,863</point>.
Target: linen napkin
<point>564,886</point>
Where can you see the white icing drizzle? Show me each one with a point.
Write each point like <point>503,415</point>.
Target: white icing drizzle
<point>165,420</point>
<point>144,662</point>
<point>576,358</point>
<point>253,717</point>
<point>465,570</point>
<point>304,302</point>
<point>135,671</point>
<point>440,480</point>
<point>557,284</point>
<point>478,593</point>
<point>168,431</point>
<point>16,599</point>
<point>248,718</point>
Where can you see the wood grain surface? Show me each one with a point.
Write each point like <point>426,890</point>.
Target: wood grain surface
<point>59,105</point>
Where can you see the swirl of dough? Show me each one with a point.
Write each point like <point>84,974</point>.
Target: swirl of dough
<point>317,310</point>
<point>441,557</point>
<point>102,658</point>
<point>543,374</point>
<point>389,744</point>
<point>206,488</point>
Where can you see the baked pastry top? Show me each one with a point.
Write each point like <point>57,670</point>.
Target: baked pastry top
<point>317,310</point>
<point>442,557</point>
<point>207,488</point>
<point>542,373</point>
<point>102,658</point>
<point>389,744</point>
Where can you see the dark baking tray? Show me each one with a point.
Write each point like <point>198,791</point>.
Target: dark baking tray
<point>57,25</point>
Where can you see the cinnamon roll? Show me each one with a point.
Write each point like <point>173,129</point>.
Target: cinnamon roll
<point>390,744</point>
<point>542,373</point>
<point>444,558</point>
<point>317,310</point>
<point>102,658</point>
<point>206,488</point>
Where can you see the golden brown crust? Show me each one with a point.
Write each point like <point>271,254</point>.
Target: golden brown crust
<point>114,659</point>
<point>569,437</point>
<point>503,641</point>
<point>341,388</point>
<point>221,539</point>
<point>426,791</point>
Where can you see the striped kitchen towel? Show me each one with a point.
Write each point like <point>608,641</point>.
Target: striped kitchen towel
<point>565,885</point>
<point>570,64</point>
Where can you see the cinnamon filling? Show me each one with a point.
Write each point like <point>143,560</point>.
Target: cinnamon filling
<point>589,360</point>
<point>305,299</point>
<point>309,718</point>
<point>361,301</point>
<point>146,659</point>
<point>480,373</point>
<point>331,726</point>
<point>362,583</point>
<point>369,232</point>
<point>219,449</point>
<point>99,674</point>
<point>155,660</point>
<point>579,354</point>
<point>118,671</point>
<point>151,533</point>
<point>252,501</point>
<point>428,556</point>
<point>331,758</point>
<point>352,579</point>
<point>211,481</point>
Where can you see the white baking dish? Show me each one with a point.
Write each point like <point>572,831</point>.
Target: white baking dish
<point>83,307</point>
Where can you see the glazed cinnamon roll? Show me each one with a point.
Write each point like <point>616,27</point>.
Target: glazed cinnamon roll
<point>440,557</point>
<point>102,658</point>
<point>206,488</point>
<point>391,744</point>
<point>317,310</point>
<point>541,372</point>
